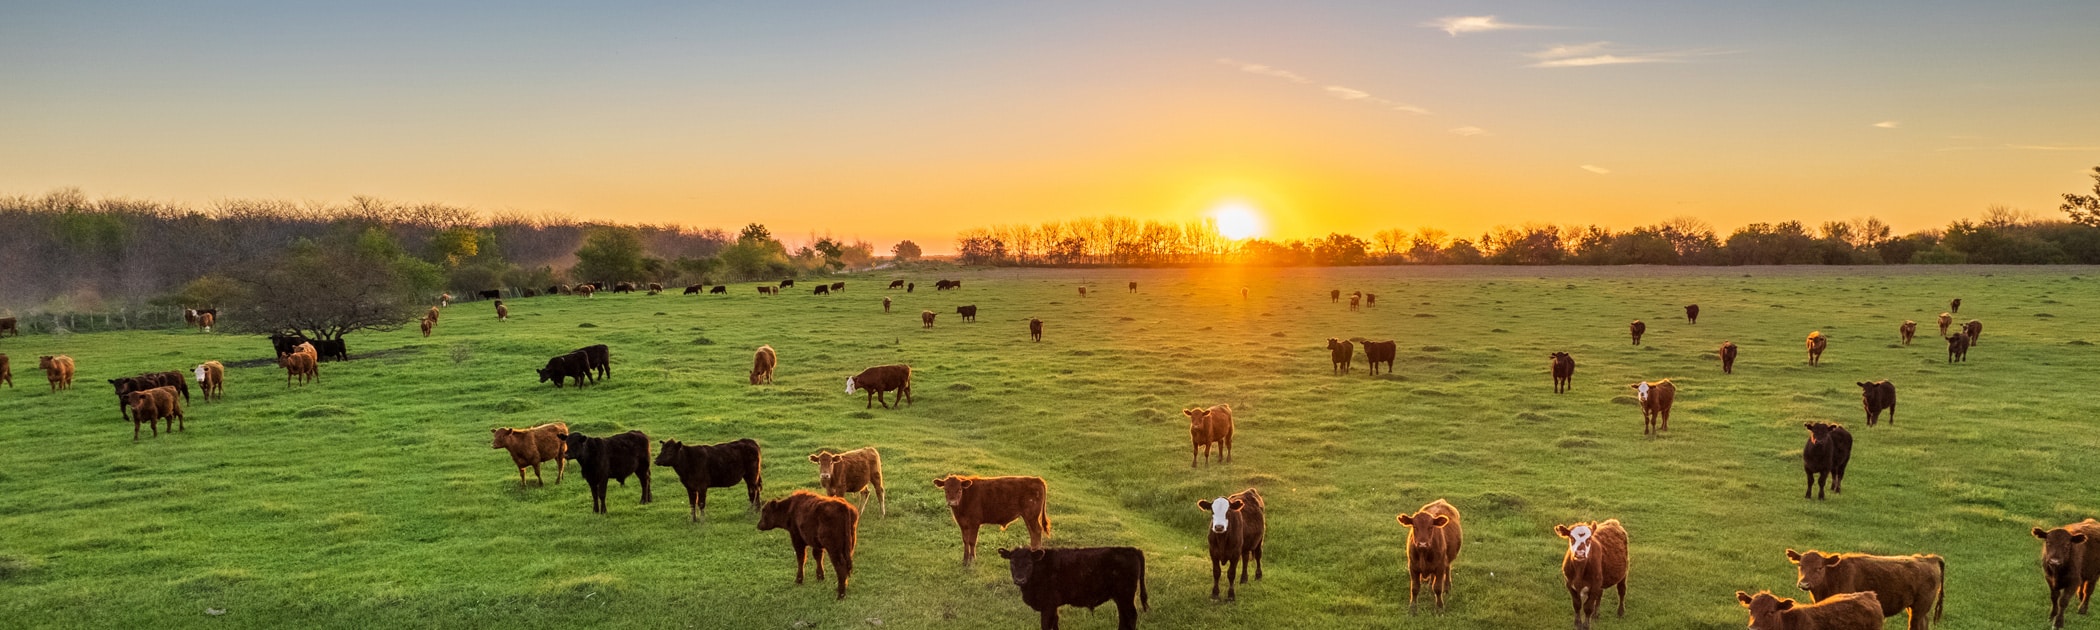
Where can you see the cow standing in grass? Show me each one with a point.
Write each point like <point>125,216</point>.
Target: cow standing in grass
<point>1816,343</point>
<point>1825,456</point>
<point>1728,351</point>
<point>1238,526</point>
<point>978,501</point>
<point>1595,561</point>
<point>1908,330</point>
<point>1563,372</point>
<point>1913,584</point>
<point>1850,611</point>
<point>1341,354</point>
<point>1207,427</point>
<point>1958,348</point>
<point>1655,398</point>
<point>2071,565</point>
<point>1434,536</point>
<point>1638,329</point>
<point>818,526</point>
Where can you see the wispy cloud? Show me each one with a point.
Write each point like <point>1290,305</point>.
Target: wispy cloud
<point>2051,147</point>
<point>1596,169</point>
<point>1338,91</point>
<point>1347,94</point>
<point>1457,24</point>
<point>1266,71</point>
<point>1888,124</point>
<point>1607,54</point>
<point>1469,131</point>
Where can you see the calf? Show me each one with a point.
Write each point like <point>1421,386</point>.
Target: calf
<point>126,385</point>
<point>1370,300</point>
<point>2070,564</point>
<point>9,327</point>
<point>762,363</point>
<point>610,458</point>
<point>426,324</point>
<point>1563,372</point>
<point>432,315</point>
<point>1958,348</point>
<point>598,358</point>
<point>968,313</point>
<point>1355,300</point>
<point>205,321</point>
<point>529,447</point>
<point>150,406</point>
<point>573,365</point>
<point>1433,539</point>
<point>819,525</point>
<point>821,290</point>
<point>1728,357</point>
<point>1340,353</point>
<point>1912,583</point>
<point>1207,427</point>
<point>1595,561</point>
<point>502,312</point>
<point>1638,329</point>
<point>1334,295</point>
<point>926,318</point>
<point>896,284</point>
<point>1691,313</point>
<point>58,370</point>
<point>623,287</point>
<point>1908,330</point>
<point>299,365</point>
<point>1877,396</point>
<point>585,290</point>
<point>1376,352</point>
<point>1238,526</point>
<point>768,291</point>
<point>787,283</point>
<point>885,304</point>
<point>1816,343</point>
<point>856,470</point>
<point>1035,329</point>
<point>883,378</point>
<point>980,501</point>
<point>910,286</point>
<point>529,293</point>
<point>1824,457</point>
<point>1655,398</point>
<point>1954,306</point>
<point>721,289</point>
<point>1946,319</point>
<point>700,467</point>
<point>693,289</point>
<point>211,379</point>
<point>1085,576</point>
<point>1974,331</point>
<point>1133,287</point>
<point>1849,611</point>
<point>655,288</point>
<point>1082,293</point>
<point>838,286</point>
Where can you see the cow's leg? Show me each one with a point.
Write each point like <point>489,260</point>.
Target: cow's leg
<point>800,559</point>
<point>969,535</point>
<point>692,506</point>
<point>1414,587</point>
<point>1622,599</point>
<point>1050,619</point>
<point>842,566</point>
<point>560,464</point>
<point>647,495</point>
<point>2085,595</point>
<point>1193,447</point>
<point>753,483</point>
<point>1232,577</point>
<point>1257,562</point>
<point>1216,569</point>
<point>1126,612</point>
<point>134,429</point>
<point>870,400</point>
<point>1575,599</point>
<point>816,557</point>
<point>2058,601</point>
<point>1809,491</point>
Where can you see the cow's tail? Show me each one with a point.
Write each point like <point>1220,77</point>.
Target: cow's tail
<point>1043,517</point>
<point>1144,598</point>
<point>1939,605</point>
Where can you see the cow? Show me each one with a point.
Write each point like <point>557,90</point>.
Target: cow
<point>598,358</point>
<point>926,318</point>
<point>1340,353</point>
<point>1082,293</point>
<point>1563,372</point>
<point>623,287</point>
<point>968,313</point>
<point>585,290</point>
<point>1908,330</point>
<point>426,324</point>
<point>1914,583</point>
<point>763,290</point>
<point>1974,331</point>
<point>211,380</point>
<point>1691,313</point>
<point>189,317</point>
<point>332,349</point>
<point>142,382</point>
<point>1334,295</point>
<point>896,284</point>
<point>1433,539</point>
<point>1370,300</point>
<point>857,470</point>
<point>1133,287</point>
<point>149,406</point>
<point>1824,457</point>
<point>943,285</point>
<point>1356,300</point>
<point>502,312</point>
<point>610,458</point>
<point>718,289</point>
<point>1877,396</point>
<point>432,315</point>
<point>980,501</point>
<point>555,289</point>
<point>786,284</point>
<point>1728,351</point>
<point>1638,329</point>
<point>2070,565</point>
<point>1816,343</point>
<point>528,293</point>
<point>445,299</point>
<point>573,365</point>
<point>693,289</point>
<point>1595,561</point>
<point>700,467</point>
<point>1849,611</point>
<point>7,372</point>
<point>819,525</point>
<point>1946,319</point>
<point>529,447</point>
<point>1238,526</point>
<point>656,288</point>
<point>821,290</point>
<point>1207,427</point>
<point>883,378</point>
<point>58,370</point>
<point>838,286</point>
<point>910,286</point>
<point>1376,352</point>
<point>1085,576</point>
<point>490,294</point>
<point>762,363</point>
<point>1958,348</point>
<point>1035,329</point>
<point>205,321</point>
<point>300,365</point>
<point>885,304</point>
<point>1954,306</point>
<point>1655,398</point>
<point>1243,293</point>
<point>10,327</point>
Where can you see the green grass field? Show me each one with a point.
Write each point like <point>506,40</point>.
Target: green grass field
<point>372,499</point>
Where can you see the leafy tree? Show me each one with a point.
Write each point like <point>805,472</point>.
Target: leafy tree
<point>611,254</point>
<point>905,251</point>
<point>2084,208</point>
<point>754,232</point>
<point>324,289</point>
<point>455,245</point>
<point>980,250</point>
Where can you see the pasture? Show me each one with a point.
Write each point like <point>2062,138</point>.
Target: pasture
<point>372,498</point>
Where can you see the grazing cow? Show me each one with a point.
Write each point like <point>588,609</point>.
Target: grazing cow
<point>1208,427</point>
<point>786,283</point>
<point>211,378</point>
<point>8,326</point>
<point>1083,576</point>
<point>598,358</point>
<point>432,315</point>
<point>1877,396</point>
<point>1816,343</point>
<point>821,290</point>
<point>1656,399</point>
<point>529,447</point>
<point>1914,583</point>
<point>149,406</point>
<point>1958,348</point>
<point>762,364</point>
<point>910,286</point>
<point>1849,611</point>
<point>1433,538</point>
<point>1954,306</point>
<point>529,293</point>
<point>819,525</point>
<point>1376,352</point>
<point>7,372</point>
<point>857,470</point>
<point>1638,329</point>
<point>58,370</point>
<point>885,304</point>
<point>883,378</point>
<point>768,291</point>
<point>585,290</point>
<point>1334,295</point>
<point>1595,561</point>
<point>189,317</point>
<point>943,285</point>
<point>1355,300</point>
<point>1908,330</point>
<point>693,289</point>
<point>926,318</point>
<point>721,289</point>
<point>502,312</point>
<point>1340,353</point>
<point>1824,457</point>
<point>623,287</point>
<point>968,313</point>
<point>1691,313</point>
<point>1035,329</point>
<point>980,501</point>
<point>655,288</point>
<point>700,467</point>
<point>300,365</point>
<point>610,458</point>
<point>1238,526</point>
<point>1133,287</point>
<point>1728,350</point>
<point>1563,372</point>
<point>2070,564</point>
<point>574,365</point>
<point>491,294</point>
<point>554,289</point>
<point>205,321</point>
<point>896,284</point>
<point>426,324</point>
<point>838,286</point>
<point>332,349</point>
<point>1082,293</point>
<point>1946,319</point>
<point>142,382</point>
<point>1974,331</point>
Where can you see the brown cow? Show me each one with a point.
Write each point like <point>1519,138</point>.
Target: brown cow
<point>980,501</point>
<point>1914,583</point>
<point>1824,457</point>
<point>1595,561</point>
<point>1370,300</point>
<point>432,315</point>
<point>206,320</point>
<point>585,290</point>
<point>1238,527</point>
<point>1207,427</point>
<point>1082,292</point>
<point>1954,306</point>
<point>1035,329</point>
<point>1355,300</point>
<point>300,365</point>
<point>1877,396</point>
<point>656,288</point>
<point>211,377</point>
<point>530,447</point>
<point>2070,564</point>
<point>1133,287</point>
<point>1243,293</point>
<point>1341,353</point>
<point>880,379</point>
<point>1974,331</point>
<point>1728,351</point>
<point>445,299</point>
<point>1946,319</point>
<point>1816,343</point>
<point>57,369</point>
<point>1563,372</point>
<point>502,312</point>
<point>1334,295</point>
<point>1850,611</point>
<point>885,304</point>
<point>1656,398</point>
<point>152,405</point>
<point>1691,313</point>
<point>857,470</point>
<point>427,323</point>
<point>819,525</point>
<point>7,372</point>
<point>1638,329</point>
<point>1908,330</point>
<point>8,325</point>
<point>926,317</point>
<point>1376,352</point>
<point>1958,348</point>
<point>1433,539</point>
<point>762,363</point>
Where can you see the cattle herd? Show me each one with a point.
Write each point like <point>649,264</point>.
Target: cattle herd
<point>1848,590</point>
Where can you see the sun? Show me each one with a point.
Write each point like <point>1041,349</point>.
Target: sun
<point>1237,220</point>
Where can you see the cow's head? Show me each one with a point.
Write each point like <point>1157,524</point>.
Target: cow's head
<point>1198,417</point>
<point>1423,523</point>
<point>774,514</point>
<point>851,384</point>
<point>501,437</point>
<point>1958,342</point>
<point>546,374</point>
<point>1641,389</point>
<point>826,463</point>
<point>2059,547</point>
<point>1022,563</point>
<point>1864,386</point>
<point>1333,343</point>
<point>954,486</point>
<point>1813,568</point>
<point>1764,609</point>
<point>576,445</point>
<point>1219,508</point>
<point>1819,432</point>
<point>668,452</point>
<point>1582,539</point>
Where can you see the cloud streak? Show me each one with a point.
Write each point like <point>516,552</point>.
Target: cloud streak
<point>1255,68</point>
<point>1888,124</point>
<point>1596,169</point>
<point>1607,54</point>
<point>2051,147</point>
<point>1338,91</point>
<point>1469,131</point>
<point>1460,24</point>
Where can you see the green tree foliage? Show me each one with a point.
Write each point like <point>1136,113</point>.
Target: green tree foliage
<point>611,255</point>
<point>905,251</point>
<point>754,232</point>
<point>2084,209</point>
<point>325,288</point>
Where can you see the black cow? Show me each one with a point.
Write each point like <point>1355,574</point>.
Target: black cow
<point>909,286</point>
<point>693,289</point>
<point>1958,348</point>
<point>328,349</point>
<point>575,365</point>
<point>896,284</point>
<point>614,458</point>
<point>838,286</point>
<point>1086,577</point>
<point>624,287</point>
<point>822,290</point>
<point>1828,449</point>
<point>529,293</point>
<point>700,467</point>
<point>968,313</point>
<point>554,289</point>
<point>718,289</point>
<point>600,359</point>
<point>490,294</point>
<point>125,386</point>
<point>1877,396</point>
<point>786,283</point>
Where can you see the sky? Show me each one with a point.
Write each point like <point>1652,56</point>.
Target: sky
<point>887,121</point>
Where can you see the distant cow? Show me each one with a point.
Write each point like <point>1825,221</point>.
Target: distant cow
<point>610,458</point>
<point>529,292</point>
<point>693,289</point>
<point>943,285</point>
<point>1974,330</point>
<point>910,286</point>
<point>1238,526</point>
<point>1824,457</point>
<point>1133,287</point>
<point>896,284</point>
<point>1563,372</point>
<point>426,325</point>
<point>554,289</point>
<point>1877,396</point>
<point>926,318</point>
<point>701,467</point>
<point>325,349</point>
<point>764,290</point>
<point>1691,313</point>
<point>585,290</point>
<point>1340,353</point>
<point>786,283</point>
<point>205,321</point>
<point>1912,583</point>
<point>1849,611</point>
<point>838,286</point>
<point>762,363</point>
<point>1433,539</point>
<point>1376,352</point>
<point>1356,300</point>
<point>1082,292</point>
<point>1954,306</point>
<point>8,326</point>
<point>655,288</point>
<point>1816,343</point>
<point>1638,329</point>
<point>980,501</point>
<point>885,304</point>
<point>819,525</point>
<point>1207,427</point>
<point>150,406</point>
<point>573,365</point>
<point>1595,561</point>
<point>623,287</point>
<point>1946,319</point>
<point>125,386</point>
<point>301,366</point>
<point>1086,577</point>
<point>490,294</point>
<point>598,358</point>
<point>1035,329</point>
<point>1334,295</point>
<point>1908,330</point>
<point>858,470</point>
<point>2070,565</point>
<point>883,378</point>
<point>432,314</point>
<point>502,312</point>
<point>718,289</point>
<point>529,447</point>
<point>1728,351</point>
<point>1958,348</point>
<point>968,313</point>
<point>821,290</point>
<point>211,380</point>
<point>1656,399</point>
<point>1370,300</point>
<point>7,372</point>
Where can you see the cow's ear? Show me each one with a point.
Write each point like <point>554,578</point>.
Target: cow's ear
<point>812,457</point>
<point>2038,533</point>
<point>1743,597</point>
<point>937,483</point>
<point>1405,520</point>
<point>1237,504</point>
<point>1861,385</point>
<point>1006,553</point>
<point>1793,556</point>
<point>1560,530</point>
<point>1833,561</point>
<point>2077,538</point>
<point>1786,604</point>
<point>1440,520</point>
<point>1203,505</point>
<point>966,483</point>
